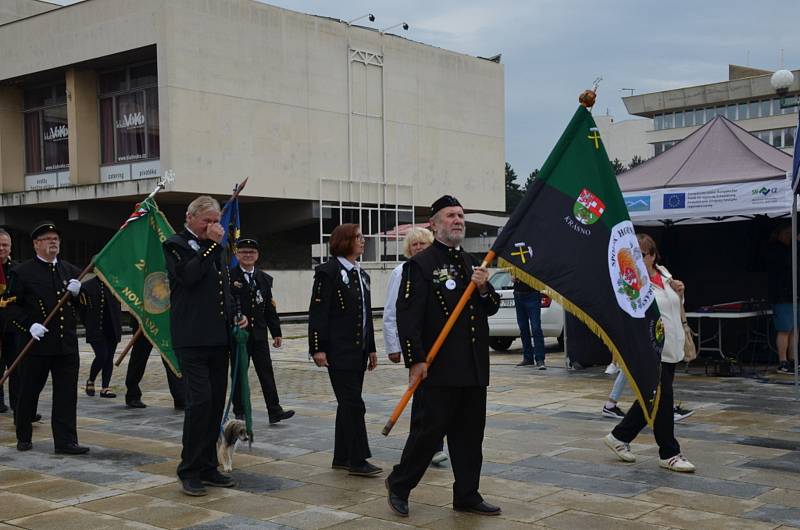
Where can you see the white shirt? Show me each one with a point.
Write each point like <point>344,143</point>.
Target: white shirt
<point>248,273</point>
<point>669,305</point>
<point>348,266</point>
<point>391,337</point>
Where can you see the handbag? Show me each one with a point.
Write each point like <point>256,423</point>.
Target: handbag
<point>689,349</point>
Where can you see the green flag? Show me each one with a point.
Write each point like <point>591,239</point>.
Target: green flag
<point>571,238</point>
<point>132,266</point>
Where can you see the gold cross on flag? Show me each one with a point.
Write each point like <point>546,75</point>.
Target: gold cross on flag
<point>595,136</point>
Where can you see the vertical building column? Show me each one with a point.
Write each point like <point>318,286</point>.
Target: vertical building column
<point>12,143</point>
<point>84,127</point>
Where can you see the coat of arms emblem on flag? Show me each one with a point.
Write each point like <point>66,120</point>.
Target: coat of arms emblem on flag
<point>588,207</point>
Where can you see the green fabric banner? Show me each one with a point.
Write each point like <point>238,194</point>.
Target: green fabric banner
<point>571,238</point>
<point>132,266</point>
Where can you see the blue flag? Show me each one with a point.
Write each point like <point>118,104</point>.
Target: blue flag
<point>796,162</point>
<point>231,222</point>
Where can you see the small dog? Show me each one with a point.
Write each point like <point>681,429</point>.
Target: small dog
<point>233,432</point>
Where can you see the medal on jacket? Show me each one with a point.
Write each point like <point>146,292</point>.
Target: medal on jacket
<point>450,284</point>
<point>194,244</point>
<point>345,277</point>
<point>259,297</point>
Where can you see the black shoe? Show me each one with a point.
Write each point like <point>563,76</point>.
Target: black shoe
<point>72,449</point>
<point>3,407</point>
<point>135,404</point>
<point>340,465</point>
<point>178,406</point>
<point>89,388</point>
<point>37,417</point>
<point>193,487</point>
<point>282,415</point>
<point>482,508</point>
<point>398,505</point>
<point>218,480</point>
<point>107,393</point>
<point>540,365</point>
<point>526,362</point>
<point>365,469</point>
<point>24,446</point>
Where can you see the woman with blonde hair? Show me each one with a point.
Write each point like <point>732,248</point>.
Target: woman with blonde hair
<point>417,239</point>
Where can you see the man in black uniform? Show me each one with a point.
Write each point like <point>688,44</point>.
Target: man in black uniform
<point>40,283</point>
<point>252,288</point>
<point>140,353</point>
<point>201,318</point>
<point>451,401</point>
<point>8,337</point>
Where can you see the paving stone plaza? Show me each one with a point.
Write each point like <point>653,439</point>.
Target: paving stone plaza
<point>545,462</point>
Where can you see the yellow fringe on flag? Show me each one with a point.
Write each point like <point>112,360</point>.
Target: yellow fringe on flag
<point>590,323</point>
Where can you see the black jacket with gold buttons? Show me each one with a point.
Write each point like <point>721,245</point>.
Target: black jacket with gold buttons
<point>5,323</point>
<point>101,312</point>
<point>432,284</point>
<point>201,307</point>
<point>335,317</point>
<point>256,302</point>
<point>38,287</point>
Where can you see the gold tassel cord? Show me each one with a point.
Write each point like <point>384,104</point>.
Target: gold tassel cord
<point>589,322</point>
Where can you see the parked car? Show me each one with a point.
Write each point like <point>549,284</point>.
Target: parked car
<point>503,327</point>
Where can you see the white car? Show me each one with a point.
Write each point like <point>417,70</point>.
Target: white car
<point>503,327</point>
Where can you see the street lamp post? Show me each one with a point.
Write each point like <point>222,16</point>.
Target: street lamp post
<point>781,81</point>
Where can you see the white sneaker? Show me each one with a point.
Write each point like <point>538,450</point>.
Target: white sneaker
<point>677,463</point>
<point>620,448</point>
<point>439,457</point>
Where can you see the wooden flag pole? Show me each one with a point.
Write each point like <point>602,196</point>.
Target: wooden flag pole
<point>168,177</point>
<point>128,347</point>
<point>437,345</point>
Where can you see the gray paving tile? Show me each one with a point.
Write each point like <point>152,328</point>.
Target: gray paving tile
<point>239,523</point>
<point>579,482</point>
<point>775,514</point>
<point>260,483</point>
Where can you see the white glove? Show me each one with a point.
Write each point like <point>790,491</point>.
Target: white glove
<point>74,287</point>
<point>37,331</point>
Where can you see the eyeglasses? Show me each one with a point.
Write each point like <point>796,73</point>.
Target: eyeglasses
<point>51,238</point>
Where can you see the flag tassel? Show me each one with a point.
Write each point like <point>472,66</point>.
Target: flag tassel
<point>434,351</point>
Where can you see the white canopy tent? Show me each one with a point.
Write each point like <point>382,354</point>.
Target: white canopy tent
<point>719,172</point>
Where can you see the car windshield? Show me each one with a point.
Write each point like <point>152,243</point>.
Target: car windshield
<point>501,280</point>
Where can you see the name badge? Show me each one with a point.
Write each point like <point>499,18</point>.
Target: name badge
<point>450,284</point>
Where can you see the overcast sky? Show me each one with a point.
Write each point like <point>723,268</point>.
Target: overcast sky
<point>553,49</point>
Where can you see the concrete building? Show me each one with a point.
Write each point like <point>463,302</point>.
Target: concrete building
<point>746,98</point>
<point>331,122</point>
<point>625,139</point>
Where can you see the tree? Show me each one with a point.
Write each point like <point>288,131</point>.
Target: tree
<point>618,166</point>
<point>528,183</point>
<point>513,191</point>
<point>635,161</point>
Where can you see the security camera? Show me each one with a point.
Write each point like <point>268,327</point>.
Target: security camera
<point>371,17</point>
<point>405,26</point>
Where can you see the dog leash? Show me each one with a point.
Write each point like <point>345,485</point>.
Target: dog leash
<point>233,389</point>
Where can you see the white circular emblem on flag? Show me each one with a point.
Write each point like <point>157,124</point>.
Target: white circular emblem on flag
<point>629,278</point>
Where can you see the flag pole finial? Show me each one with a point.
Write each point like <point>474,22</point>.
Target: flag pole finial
<point>588,97</point>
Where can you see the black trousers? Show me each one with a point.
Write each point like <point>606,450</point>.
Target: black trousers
<point>205,377</point>
<point>262,362</point>
<point>458,413</point>
<point>64,372</point>
<point>137,362</point>
<point>103,359</point>
<point>664,425</point>
<point>9,348</point>
<point>350,440</point>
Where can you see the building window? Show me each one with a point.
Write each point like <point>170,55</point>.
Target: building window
<point>679,119</point>
<point>699,117</point>
<point>660,147</point>
<point>766,106</point>
<point>46,130</point>
<point>658,122</point>
<point>668,120</point>
<point>730,112</point>
<point>129,128</point>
